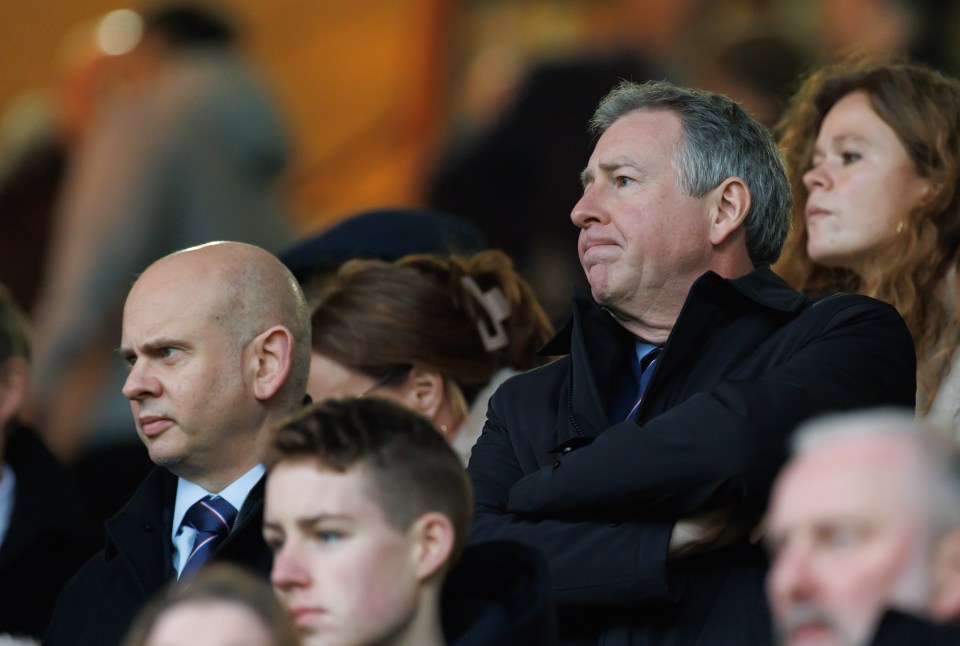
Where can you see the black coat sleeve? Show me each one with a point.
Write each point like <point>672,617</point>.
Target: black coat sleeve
<point>594,562</point>
<point>726,445</point>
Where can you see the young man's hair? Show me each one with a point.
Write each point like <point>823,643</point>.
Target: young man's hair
<point>410,468</point>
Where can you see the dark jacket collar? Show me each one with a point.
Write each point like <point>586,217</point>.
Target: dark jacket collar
<point>142,529</point>
<point>761,287</point>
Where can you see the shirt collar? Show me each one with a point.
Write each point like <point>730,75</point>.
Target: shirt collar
<point>188,493</point>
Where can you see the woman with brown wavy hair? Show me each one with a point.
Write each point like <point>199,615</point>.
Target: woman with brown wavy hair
<point>437,334</point>
<point>873,156</point>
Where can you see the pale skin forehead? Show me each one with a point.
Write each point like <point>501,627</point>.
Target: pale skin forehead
<point>642,136</point>
<point>214,622</point>
<point>341,495</point>
<point>225,276</point>
<point>217,262</point>
<point>865,475</point>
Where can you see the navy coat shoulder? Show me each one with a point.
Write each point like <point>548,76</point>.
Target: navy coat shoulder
<point>747,360</point>
<point>98,605</point>
<point>898,628</point>
<point>499,594</point>
<point>48,539</point>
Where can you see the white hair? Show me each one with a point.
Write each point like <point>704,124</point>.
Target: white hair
<point>935,463</point>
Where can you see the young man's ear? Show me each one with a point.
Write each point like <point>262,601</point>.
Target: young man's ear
<point>424,391</point>
<point>433,536</point>
<point>946,578</point>
<point>271,359</point>
<point>729,209</point>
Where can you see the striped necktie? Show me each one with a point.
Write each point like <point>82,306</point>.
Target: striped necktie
<point>647,365</point>
<point>212,519</point>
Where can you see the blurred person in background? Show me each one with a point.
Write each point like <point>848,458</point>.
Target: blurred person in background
<point>865,517</point>
<point>758,71</point>
<point>513,175</point>
<point>223,606</point>
<point>378,234</point>
<point>435,333</point>
<point>189,149</point>
<point>44,536</point>
<point>41,131</point>
<point>873,156</point>
<point>921,30</point>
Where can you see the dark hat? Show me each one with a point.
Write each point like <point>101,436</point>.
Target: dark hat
<point>384,234</point>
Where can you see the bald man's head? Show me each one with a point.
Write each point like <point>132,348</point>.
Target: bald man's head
<point>255,291</point>
<point>217,338</point>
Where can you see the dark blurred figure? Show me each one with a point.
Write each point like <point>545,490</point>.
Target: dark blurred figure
<point>519,180</point>
<point>41,134</point>
<point>760,72</point>
<point>380,234</point>
<point>190,149</point>
<point>30,183</point>
<point>922,30</point>
<point>44,538</point>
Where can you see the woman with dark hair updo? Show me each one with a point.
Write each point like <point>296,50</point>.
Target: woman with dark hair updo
<point>873,155</point>
<point>437,334</point>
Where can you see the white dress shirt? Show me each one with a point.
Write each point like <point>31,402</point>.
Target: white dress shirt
<point>188,493</point>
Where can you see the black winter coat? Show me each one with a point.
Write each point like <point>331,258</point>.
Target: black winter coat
<point>747,360</point>
<point>48,539</point>
<point>98,605</point>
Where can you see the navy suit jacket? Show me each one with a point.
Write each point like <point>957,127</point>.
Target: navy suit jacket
<point>98,605</point>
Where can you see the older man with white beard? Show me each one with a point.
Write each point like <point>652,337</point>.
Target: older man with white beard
<point>866,518</point>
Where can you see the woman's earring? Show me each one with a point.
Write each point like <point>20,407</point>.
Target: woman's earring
<point>899,226</point>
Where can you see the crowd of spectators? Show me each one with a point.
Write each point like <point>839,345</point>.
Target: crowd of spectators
<point>741,427</point>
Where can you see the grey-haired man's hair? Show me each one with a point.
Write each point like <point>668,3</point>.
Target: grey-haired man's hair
<point>719,139</point>
<point>934,472</point>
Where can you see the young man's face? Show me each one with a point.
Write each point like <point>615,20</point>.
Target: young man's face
<point>347,576</point>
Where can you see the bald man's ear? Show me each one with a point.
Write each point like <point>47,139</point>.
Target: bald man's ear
<point>946,578</point>
<point>272,356</point>
<point>433,538</point>
<point>731,203</point>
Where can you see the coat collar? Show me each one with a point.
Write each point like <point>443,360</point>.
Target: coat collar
<point>760,287</point>
<point>139,533</point>
<point>598,344</point>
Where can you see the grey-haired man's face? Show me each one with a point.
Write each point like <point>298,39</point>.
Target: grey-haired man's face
<point>847,542</point>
